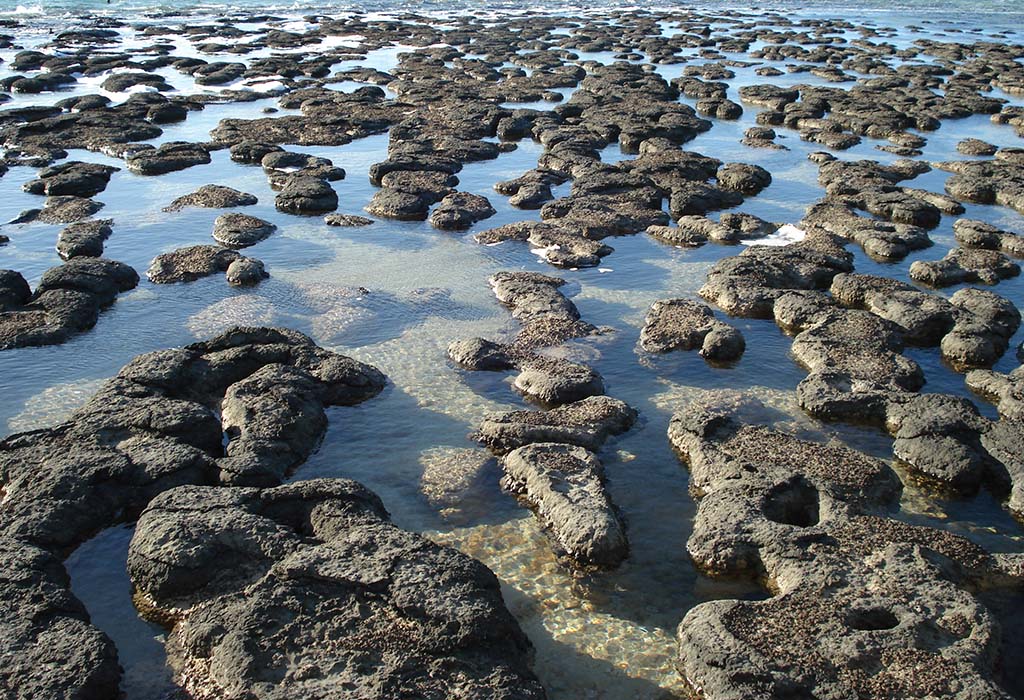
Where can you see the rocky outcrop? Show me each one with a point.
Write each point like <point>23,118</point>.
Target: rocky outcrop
<point>682,324</point>
<point>71,178</point>
<point>962,265</point>
<point>460,210</point>
<point>213,197</point>
<point>308,588</point>
<point>67,300</point>
<point>236,230</point>
<point>190,263</point>
<point>306,196</point>
<point>749,283</point>
<point>555,244</point>
<point>548,318</point>
<point>161,423</point>
<point>563,485</point>
<point>52,651</point>
<point>586,423</point>
<point>167,158</point>
<point>971,233</point>
<point>850,589</point>
<point>84,239</point>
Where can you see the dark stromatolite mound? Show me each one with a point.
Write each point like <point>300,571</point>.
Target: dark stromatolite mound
<point>346,220</point>
<point>973,327</point>
<point>307,589</point>
<point>682,324</point>
<point>586,423</point>
<point>306,196</point>
<point>748,284</point>
<point>161,422</point>
<point>881,240</point>
<point>213,197</point>
<point>245,272</point>
<point>84,239</point>
<point>986,182</point>
<point>67,301</point>
<point>731,228</point>
<point>252,152</point>
<point>190,263</point>
<point>71,178</point>
<point>460,210</point>
<point>971,265</point>
<point>971,233</point>
<point>167,158</point>
<point>60,209</point>
<point>563,485</point>
<point>548,318</point>
<point>558,246</point>
<point>50,649</point>
<point>281,165</point>
<point>886,601</point>
<point>236,230</point>
<point>743,177</point>
<point>976,147</point>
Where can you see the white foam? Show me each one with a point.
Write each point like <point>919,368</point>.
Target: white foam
<point>786,235</point>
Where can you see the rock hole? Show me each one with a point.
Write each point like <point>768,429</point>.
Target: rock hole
<point>871,619</point>
<point>794,502</point>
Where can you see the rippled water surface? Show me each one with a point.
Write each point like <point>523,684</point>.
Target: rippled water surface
<point>604,636</point>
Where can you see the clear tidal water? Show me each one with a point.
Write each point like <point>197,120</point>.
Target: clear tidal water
<point>603,637</point>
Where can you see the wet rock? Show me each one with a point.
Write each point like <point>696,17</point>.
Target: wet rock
<point>691,197</point>
<point>236,230</point>
<point>548,319</point>
<point>63,209</point>
<point>985,322</point>
<point>429,185</point>
<point>460,210</point>
<point>558,246</point>
<point>190,263</point>
<point>856,369</point>
<point>154,427</point>
<point>67,301</point>
<point>971,233</point>
<point>389,203</point>
<point>881,240</point>
<point>744,178</point>
<point>237,564</point>
<point>306,196</point>
<point>563,485</point>
<point>53,650</point>
<point>937,437</point>
<point>346,220</point>
<point>245,272</point>
<point>213,197</point>
<point>986,182</point>
<point>761,137</point>
<point>252,152</point>
<point>84,239</point>
<point>719,108</point>
<point>852,587</point>
<point>682,324</point>
<point>167,158</point>
<point>965,265</point>
<point>282,165</point>
<point>749,283</point>
<point>586,423</point>
<point>122,82</point>
<point>532,189</point>
<point>684,236</point>
<point>976,147</point>
<point>72,178</point>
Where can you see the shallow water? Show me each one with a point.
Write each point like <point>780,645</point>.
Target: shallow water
<point>604,636</point>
